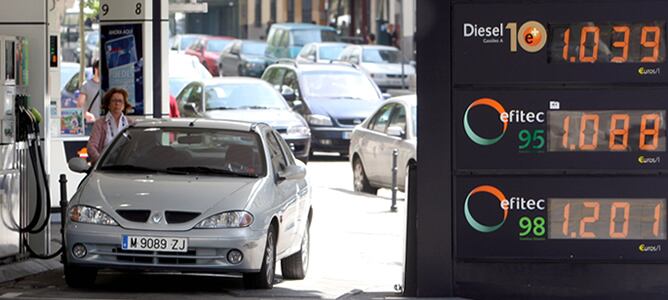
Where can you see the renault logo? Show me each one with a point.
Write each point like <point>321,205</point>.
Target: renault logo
<point>156,218</point>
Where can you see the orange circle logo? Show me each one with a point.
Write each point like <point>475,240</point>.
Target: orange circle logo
<point>532,36</point>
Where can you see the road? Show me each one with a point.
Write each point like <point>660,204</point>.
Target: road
<point>357,246</point>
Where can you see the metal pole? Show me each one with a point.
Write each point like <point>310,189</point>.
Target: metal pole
<point>82,53</point>
<point>157,59</point>
<point>395,154</point>
<point>403,73</point>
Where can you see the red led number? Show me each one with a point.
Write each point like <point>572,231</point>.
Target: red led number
<point>583,39</point>
<point>652,132</point>
<point>624,44</point>
<point>615,132</point>
<point>653,43</point>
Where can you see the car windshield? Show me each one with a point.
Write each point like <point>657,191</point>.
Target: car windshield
<point>303,37</point>
<point>177,84</point>
<point>93,38</point>
<point>217,45</point>
<point>66,74</point>
<point>338,85</point>
<point>381,56</point>
<point>186,41</point>
<point>243,96</point>
<point>201,151</point>
<point>331,52</point>
<point>253,48</point>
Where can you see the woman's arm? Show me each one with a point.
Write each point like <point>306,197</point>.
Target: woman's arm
<point>95,144</point>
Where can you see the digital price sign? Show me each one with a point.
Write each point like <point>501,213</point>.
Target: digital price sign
<point>561,217</point>
<point>561,130</point>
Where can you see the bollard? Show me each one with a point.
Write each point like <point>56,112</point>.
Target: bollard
<point>63,209</point>
<point>395,154</point>
<point>403,75</point>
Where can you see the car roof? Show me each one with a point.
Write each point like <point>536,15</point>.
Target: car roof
<point>409,100</point>
<point>197,123</point>
<point>319,44</point>
<point>301,26</point>
<point>383,47</point>
<point>232,80</point>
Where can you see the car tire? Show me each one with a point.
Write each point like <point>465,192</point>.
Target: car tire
<point>360,181</point>
<point>265,278</point>
<point>79,277</point>
<point>295,266</point>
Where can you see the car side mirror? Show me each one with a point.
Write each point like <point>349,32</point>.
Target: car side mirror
<point>354,60</point>
<point>293,172</point>
<point>288,94</point>
<point>78,165</point>
<point>297,105</point>
<point>311,58</point>
<point>386,96</point>
<point>396,131</point>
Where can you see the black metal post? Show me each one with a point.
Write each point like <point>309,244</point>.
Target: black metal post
<point>410,264</point>
<point>395,154</point>
<point>157,59</point>
<point>63,211</point>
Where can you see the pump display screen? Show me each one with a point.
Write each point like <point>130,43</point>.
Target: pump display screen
<point>609,130</point>
<point>591,218</point>
<point>622,42</point>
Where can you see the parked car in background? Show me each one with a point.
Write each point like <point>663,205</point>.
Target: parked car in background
<point>333,98</point>
<point>137,210</point>
<point>243,58</point>
<point>181,42</point>
<point>92,47</point>
<point>69,81</point>
<point>246,99</point>
<point>320,52</point>
<point>285,40</point>
<point>184,69</point>
<point>392,126</point>
<point>384,64</point>
<point>207,49</point>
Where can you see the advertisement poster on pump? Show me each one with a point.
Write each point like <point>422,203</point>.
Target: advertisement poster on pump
<point>122,63</point>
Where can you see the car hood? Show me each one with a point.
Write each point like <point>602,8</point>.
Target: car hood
<point>388,68</point>
<point>343,108</point>
<point>206,195</point>
<point>274,117</point>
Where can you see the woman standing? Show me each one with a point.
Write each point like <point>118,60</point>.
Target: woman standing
<point>116,104</point>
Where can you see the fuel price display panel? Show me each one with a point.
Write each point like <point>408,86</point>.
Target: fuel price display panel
<point>561,218</point>
<point>603,42</point>
<point>565,131</point>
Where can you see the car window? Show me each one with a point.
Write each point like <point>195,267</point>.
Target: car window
<point>273,36</point>
<point>344,54</point>
<point>284,39</point>
<point>73,84</point>
<point>338,85</point>
<point>305,52</point>
<point>330,52</point>
<point>206,151</point>
<point>290,80</point>
<point>286,149</point>
<point>278,160</point>
<point>217,45</point>
<point>256,95</point>
<point>236,48</point>
<point>185,93</point>
<point>274,76</point>
<point>252,48</point>
<point>399,117</point>
<point>382,56</point>
<point>196,96</point>
<point>381,118</point>
<point>303,37</point>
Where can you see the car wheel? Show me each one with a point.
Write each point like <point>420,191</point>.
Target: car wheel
<point>79,277</point>
<point>265,278</point>
<point>360,181</point>
<point>295,266</point>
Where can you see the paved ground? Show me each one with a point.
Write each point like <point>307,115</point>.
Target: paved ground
<point>357,253</point>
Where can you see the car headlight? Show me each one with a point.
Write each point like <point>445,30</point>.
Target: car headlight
<point>319,120</point>
<point>298,130</point>
<point>87,214</point>
<point>230,219</point>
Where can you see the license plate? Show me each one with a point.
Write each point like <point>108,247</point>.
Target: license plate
<point>148,243</point>
<point>346,135</point>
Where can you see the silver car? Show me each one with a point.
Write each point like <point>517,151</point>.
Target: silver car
<point>392,126</point>
<point>191,195</point>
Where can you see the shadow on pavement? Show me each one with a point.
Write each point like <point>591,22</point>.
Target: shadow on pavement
<point>321,158</point>
<point>399,198</point>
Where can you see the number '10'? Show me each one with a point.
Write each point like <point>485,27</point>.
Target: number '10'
<point>646,132</point>
<point>623,43</point>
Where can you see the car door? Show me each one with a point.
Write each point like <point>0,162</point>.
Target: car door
<point>225,61</point>
<point>235,53</point>
<point>373,148</point>
<point>303,200</point>
<point>286,193</point>
<point>388,143</point>
<point>274,76</point>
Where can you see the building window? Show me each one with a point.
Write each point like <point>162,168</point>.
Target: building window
<point>291,10</point>
<point>258,13</point>
<point>273,10</point>
<point>307,11</point>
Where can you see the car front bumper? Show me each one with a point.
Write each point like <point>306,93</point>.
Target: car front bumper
<point>207,249</point>
<point>330,139</point>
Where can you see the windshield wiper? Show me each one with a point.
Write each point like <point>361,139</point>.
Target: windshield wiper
<point>222,108</point>
<point>207,170</point>
<point>256,107</point>
<point>128,168</point>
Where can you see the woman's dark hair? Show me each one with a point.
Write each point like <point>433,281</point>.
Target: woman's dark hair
<point>107,99</point>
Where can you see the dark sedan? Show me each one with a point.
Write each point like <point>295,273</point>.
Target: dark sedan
<point>243,58</point>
